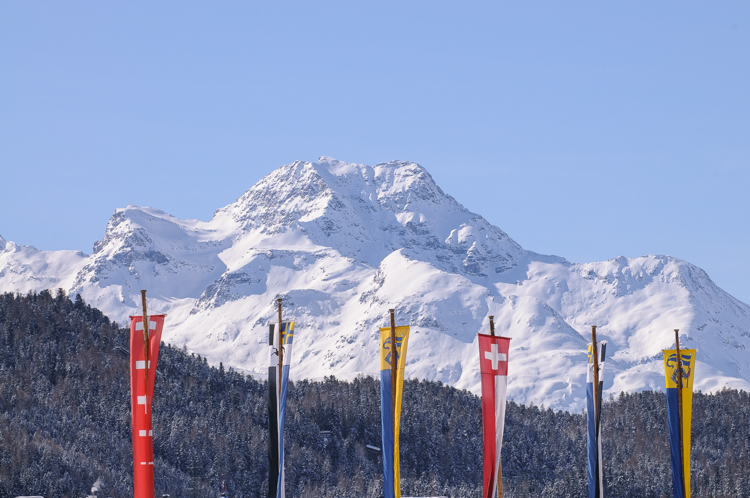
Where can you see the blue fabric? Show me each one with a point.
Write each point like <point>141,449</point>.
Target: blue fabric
<point>288,338</point>
<point>282,417</point>
<point>386,416</point>
<point>591,442</point>
<point>273,435</point>
<point>673,415</point>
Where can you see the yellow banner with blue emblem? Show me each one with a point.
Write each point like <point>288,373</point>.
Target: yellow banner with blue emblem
<point>679,424</point>
<point>391,422</point>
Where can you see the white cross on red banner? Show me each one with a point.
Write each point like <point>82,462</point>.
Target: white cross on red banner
<point>494,356</point>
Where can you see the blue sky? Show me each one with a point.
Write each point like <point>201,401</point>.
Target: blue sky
<point>583,129</point>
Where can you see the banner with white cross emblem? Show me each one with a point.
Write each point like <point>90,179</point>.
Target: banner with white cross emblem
<point>142,378</point>
<point>493,366</point>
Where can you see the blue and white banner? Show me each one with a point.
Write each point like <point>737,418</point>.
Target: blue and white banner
<point>277,389</point>
<point>593,417</point>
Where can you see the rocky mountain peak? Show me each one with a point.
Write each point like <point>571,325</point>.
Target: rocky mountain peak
<point>123,229</point>
<point>308,189</point>
<point>368,212</point>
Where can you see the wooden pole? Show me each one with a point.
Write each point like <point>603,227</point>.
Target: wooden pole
<point>394,367</point>
<point>394,373</point>
<point>595,360</point>
<point>500,463</point>
<point>679,398</point>
<point>145,336</point>
<point>281,349</point>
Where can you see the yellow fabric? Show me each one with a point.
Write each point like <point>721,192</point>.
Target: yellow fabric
<point>403,334</point>
<point>688,369</point>
<point>687,408</point>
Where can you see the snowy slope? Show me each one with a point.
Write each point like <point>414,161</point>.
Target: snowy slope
<point>25,268</point>
<point>342,243</point>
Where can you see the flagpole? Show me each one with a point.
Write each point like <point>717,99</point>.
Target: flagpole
<point>394,367</point>
<point>595,359</point>
<point>500,462</point>
<point>394,372</point>
<point>145,337</point>
<point>278,392</point>
<point>281,349</point>
<point>679,399</point>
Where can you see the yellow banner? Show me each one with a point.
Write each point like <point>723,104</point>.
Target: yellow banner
<point>402,340</point>
<point>687,357</point>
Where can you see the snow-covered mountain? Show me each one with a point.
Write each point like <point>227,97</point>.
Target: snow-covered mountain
<point>342,243</point>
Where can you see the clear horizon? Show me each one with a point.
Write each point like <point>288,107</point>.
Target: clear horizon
<point>583,130</point>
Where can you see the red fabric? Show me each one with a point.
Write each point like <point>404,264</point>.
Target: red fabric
<point>140,402</point>
<point>488,374</point>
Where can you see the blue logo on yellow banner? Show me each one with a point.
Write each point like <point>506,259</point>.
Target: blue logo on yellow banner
<point>387,347</point>
<point>671,366</point>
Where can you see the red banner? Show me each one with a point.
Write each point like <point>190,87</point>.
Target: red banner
<point>140,401</point>
<point>493,366</point>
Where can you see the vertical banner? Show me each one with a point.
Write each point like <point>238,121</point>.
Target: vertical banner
<point>141,396</point>
<point>277,404</point>
<point>593,419</point>
<point>679,433</point>
<point>493,367</point>
<point>391,424</point>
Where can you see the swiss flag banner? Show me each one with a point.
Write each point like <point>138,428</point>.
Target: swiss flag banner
<point>140,401</point>
<point>493,366</point>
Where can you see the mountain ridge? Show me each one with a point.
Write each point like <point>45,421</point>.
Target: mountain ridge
<point>344,242</point>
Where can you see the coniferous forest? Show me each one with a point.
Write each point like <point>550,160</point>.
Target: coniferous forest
<point>65,424</point>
